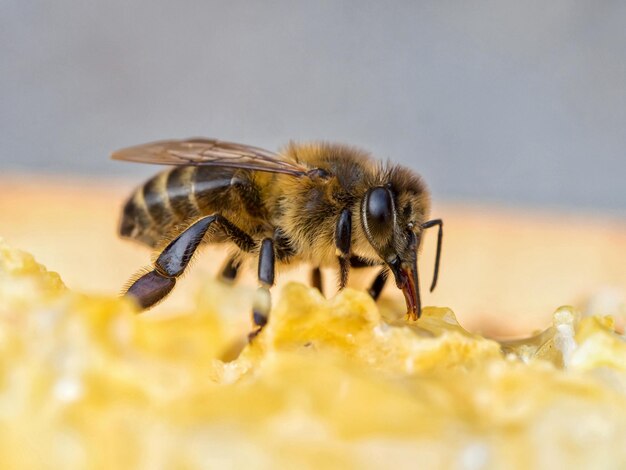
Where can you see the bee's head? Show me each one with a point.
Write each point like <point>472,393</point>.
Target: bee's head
<point>392,216</point>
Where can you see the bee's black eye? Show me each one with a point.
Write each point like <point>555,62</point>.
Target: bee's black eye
<point>379,212</point>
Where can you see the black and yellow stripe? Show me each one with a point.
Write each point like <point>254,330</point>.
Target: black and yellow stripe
<point>172,197</point>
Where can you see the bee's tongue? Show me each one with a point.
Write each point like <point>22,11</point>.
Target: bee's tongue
<point>407,280</point>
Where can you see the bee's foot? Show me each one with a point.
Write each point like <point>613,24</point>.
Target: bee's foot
<point>410,316</point>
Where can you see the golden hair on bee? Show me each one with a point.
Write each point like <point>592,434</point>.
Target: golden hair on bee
<point>323,204</point>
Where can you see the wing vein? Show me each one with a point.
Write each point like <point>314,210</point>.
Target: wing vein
<point>211,152</point>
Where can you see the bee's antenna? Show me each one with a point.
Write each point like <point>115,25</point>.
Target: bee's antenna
<point>429,224</point>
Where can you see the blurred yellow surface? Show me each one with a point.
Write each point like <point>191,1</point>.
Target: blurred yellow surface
<point>504,271</point>
<point>87,383</point>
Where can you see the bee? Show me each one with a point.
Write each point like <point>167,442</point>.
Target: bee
<point>328,205</point>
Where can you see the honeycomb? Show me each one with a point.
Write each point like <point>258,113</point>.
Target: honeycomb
<point>85,382</point>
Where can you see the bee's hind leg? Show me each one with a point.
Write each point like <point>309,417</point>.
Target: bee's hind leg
<point>155,285</point>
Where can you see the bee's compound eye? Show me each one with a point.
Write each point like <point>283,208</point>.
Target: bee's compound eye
<point>379,211</point>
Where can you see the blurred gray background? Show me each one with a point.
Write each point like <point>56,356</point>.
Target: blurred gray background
<point>501,101</point>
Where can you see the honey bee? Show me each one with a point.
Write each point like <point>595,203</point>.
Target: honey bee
<point>327,205</point>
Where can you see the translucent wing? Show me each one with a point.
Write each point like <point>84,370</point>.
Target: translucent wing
<point>210,152</point>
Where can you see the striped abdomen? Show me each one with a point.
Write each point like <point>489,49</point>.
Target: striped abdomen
<point>172,197</point>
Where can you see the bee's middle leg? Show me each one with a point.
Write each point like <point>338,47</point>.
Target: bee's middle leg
<point>316,279</point>
<point>230,270</point>
<point>266,271</point>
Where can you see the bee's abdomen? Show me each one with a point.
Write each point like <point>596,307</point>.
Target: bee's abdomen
<point>168,199</point>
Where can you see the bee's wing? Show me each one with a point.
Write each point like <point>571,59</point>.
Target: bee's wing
<point>210,152</point>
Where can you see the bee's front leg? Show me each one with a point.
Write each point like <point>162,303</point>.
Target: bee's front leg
<point>263,300</point>
<point>377,285</point>
<point>343,245</point>
<point>379,281</point>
